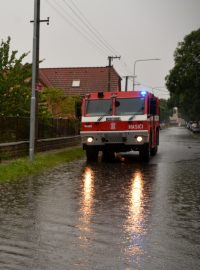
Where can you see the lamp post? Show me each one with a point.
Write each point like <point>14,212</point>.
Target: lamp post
<point>141,60</point>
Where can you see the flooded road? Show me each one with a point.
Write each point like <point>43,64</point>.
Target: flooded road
<point>122,215</point>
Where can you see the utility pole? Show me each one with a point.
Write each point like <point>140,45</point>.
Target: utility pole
<point>110,59</point>
<point>35,73</point>
<point>126,82</point>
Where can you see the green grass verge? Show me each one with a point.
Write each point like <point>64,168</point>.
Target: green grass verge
<point>23,167</point>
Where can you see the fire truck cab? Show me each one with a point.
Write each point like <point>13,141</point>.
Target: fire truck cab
<point>114,122</point>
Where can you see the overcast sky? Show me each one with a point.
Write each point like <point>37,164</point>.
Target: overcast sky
<point>132,29</point>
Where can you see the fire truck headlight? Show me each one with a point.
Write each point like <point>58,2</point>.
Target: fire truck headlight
<point>90,139</point>
<point>139,138</point>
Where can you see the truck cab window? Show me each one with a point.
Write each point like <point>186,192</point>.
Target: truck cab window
<point>129,106</point>
<point>98,107</point>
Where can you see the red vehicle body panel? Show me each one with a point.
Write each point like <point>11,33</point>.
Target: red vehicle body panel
<point>127,126</point>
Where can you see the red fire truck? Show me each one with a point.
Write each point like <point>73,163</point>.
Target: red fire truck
<point>115,122</point>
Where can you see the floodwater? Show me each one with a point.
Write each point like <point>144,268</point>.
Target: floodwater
<point>122,215</point>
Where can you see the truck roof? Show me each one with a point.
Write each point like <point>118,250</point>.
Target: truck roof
<point>121,94</point>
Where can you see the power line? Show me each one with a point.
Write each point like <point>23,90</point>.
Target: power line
<point>164,91</point>
<point>151,89</point>
<point>86,22</point>
<point>155,88</point>
<point>77,23</point>
<point>81,25</point>
<point>91,35</point>
<point>61,14</point>
<point>89,27</point>
<point>87,30</point>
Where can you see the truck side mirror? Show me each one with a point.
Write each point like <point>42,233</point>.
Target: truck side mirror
<point>153,106</point>
<point>78,109</point>
<point>117,103</point>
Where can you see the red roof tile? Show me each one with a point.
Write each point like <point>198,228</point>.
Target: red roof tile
<point>92,79</point>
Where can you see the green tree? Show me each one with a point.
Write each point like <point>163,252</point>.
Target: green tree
<point>165,111</point>
<point>15,83</point>
<point>50,99</point>
<point>183,80</point>
<point>54,103</point>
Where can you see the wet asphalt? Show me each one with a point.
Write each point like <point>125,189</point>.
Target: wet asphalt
<point>123,215</point>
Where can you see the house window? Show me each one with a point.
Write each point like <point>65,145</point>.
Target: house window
<point>76,83</point>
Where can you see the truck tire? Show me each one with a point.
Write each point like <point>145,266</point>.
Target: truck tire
<point>92,154</point>
<point>154,150</point>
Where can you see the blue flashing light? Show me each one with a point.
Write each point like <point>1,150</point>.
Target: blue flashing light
<point>143,93</point>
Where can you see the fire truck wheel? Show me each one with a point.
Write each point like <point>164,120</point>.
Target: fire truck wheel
<point>108,156</point>
<point>92,154</point>
<point>145,153</point>
<point>154,150</point>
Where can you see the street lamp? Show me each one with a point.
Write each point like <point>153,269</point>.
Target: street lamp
<point>141,60</point>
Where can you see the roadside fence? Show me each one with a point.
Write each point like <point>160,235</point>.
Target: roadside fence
<point>50,134</point>
<point>15,129</point>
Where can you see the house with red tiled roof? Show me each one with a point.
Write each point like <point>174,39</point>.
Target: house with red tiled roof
<point>81,80</point>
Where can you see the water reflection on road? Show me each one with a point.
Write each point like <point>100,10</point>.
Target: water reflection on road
<point>87,199</point>
<point>134,225</point>
<point>122,215</point>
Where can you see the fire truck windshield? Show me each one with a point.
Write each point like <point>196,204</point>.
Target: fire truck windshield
<point>130,106</point>
<point>98,107</point>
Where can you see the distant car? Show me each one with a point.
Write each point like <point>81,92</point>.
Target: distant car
<point>189,125</point>
<point>195,127</point>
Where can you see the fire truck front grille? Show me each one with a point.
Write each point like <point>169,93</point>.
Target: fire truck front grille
<point>113,138</point>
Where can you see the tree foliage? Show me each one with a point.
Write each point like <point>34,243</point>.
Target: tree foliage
<point>165,111</point>
<point>183,80</point>
<point>53,101</point>
<point>14,82</point>
<point>15,89</point>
